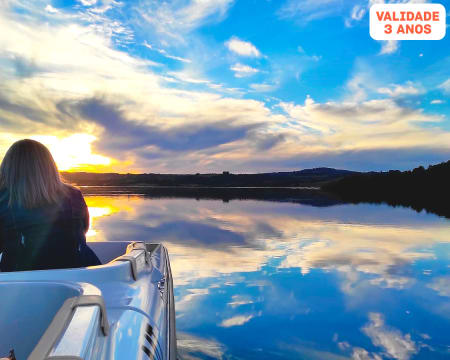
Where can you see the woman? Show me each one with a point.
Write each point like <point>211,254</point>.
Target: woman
<point>43,221</point>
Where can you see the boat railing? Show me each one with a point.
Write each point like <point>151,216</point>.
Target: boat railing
<point>170,303</point>
<point>78,326</point>
<point>138,257</point>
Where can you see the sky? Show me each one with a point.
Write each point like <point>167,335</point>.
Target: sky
<point>187,86</point>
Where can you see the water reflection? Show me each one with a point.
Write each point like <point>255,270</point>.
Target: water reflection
<point>257,280</point>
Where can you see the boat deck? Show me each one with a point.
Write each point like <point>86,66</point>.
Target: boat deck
<point>120,310</point>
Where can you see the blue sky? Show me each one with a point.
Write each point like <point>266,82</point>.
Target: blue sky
<point>212,85</point>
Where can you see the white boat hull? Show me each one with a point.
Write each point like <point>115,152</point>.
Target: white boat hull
<point>121,310</point>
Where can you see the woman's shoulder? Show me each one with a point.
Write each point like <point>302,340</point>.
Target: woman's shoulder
<point>73,193</point>
<point>72,190</point>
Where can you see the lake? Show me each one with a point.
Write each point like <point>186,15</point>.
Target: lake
<point>279,280</point>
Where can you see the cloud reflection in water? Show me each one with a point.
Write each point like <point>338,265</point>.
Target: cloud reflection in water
<point>301,275</point>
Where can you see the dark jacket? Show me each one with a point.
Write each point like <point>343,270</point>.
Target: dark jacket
<point>48,237</point>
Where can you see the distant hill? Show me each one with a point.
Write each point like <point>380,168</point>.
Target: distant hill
<point>419,189</point>
<point>302,178</point>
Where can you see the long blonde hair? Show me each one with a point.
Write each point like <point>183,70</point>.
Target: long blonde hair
<point>29,174</point>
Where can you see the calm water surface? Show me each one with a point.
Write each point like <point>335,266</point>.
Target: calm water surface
<point>268,280</point>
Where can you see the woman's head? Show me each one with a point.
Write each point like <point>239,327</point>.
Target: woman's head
<point>30,175</point>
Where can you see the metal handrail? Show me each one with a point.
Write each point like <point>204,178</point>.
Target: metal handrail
<point>133,257</point>
<point>61,321</point>
<point>171,325</point>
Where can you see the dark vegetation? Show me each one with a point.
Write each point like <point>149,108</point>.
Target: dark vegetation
<point>420,189</point>
<point>302,178</point>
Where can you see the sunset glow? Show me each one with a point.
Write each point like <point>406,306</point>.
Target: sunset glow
<point>74,153</point>
<point>203,86</point>
<point>99,207</point>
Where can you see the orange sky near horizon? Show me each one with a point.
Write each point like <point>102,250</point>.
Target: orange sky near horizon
<point>74,153</point>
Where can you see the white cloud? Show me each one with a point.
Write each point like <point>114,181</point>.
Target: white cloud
<point>357,86</point>
<point>264,87</point>
<point>445,86</point>
<point>88,2</point>
<point>241,70</point>
<point>436,102</point>
<point>378,262</point>
<point>239,301</point>
<point>362,354</point>
<point>51,9</point>
<point>370,124</point>
<point>166,54</point>
<point>305,11</point>
<point>366,83</point>
<point>188,77</point>
<point>242,48</point>
<point>389,47</point>
<point>236,321</point>
<point>187,300</point>
<point>199,10</point>
<point>357,13</point>
<point>400,90</point>
<point>396,345</point>
<point>172,19</point>
<point>189,344</point>
<point>441,285</point>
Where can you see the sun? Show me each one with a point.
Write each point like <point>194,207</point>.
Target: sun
<point>74,153</point>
